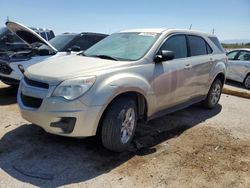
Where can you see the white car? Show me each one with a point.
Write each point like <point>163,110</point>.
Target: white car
<point>238,66</point>
<point>12,67</point>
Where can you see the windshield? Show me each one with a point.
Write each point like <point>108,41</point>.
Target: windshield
<point>59,42</point>
<point>123,46</point>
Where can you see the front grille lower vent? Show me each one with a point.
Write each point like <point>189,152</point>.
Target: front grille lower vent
<point>31,102</point>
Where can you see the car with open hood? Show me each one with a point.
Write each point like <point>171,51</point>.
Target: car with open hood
<point>130,76</point>
<point>9,42</point>
<point>14,64</point>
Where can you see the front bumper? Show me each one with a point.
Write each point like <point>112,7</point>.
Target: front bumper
<point>54,110</point>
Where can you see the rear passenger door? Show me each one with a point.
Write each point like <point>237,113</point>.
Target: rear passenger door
<point>173,79</point>
<point>201,63</point>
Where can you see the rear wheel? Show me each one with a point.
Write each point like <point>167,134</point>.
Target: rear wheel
<point>213,95</point>
<point>247,81</point>
<point>119,124</point>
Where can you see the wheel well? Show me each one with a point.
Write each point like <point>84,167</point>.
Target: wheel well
<point>220,76</point>
<point>246,75</point>
<point>138,98</point>
<point>141,106</point>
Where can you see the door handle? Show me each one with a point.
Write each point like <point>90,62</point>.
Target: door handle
<point>188,66</point>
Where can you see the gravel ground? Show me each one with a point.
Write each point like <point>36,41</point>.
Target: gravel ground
<point>190,148</point>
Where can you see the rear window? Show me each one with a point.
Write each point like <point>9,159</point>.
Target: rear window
<point>198,45</point>
<point>217,43</point>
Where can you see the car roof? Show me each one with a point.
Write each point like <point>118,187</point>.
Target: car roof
<point>165,30</point>
<point>238,49</point>
<point>84,33</point>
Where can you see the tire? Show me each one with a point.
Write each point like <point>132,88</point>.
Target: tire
<point>117,130</point>
<point>247,81</point>
<point>213,95</point>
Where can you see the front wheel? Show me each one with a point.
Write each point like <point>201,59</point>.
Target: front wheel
<point>213,95</point>
<point>119,124</point>
<point>247,82</point>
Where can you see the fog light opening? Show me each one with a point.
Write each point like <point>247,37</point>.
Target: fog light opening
<point>66,124</point>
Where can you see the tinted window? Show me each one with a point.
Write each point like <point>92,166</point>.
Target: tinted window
<point>198,46</point>
<point>244,56</point>
<point>43,35</point>
<point>51,35</point>
<point>177,44</point>
<point>232,55</point>
<point>217,43</point>
<point>85,42</point>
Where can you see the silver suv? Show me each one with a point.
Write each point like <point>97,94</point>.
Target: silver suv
<point>129,76</point>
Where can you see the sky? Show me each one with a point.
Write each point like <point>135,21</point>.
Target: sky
<point>229,18</point>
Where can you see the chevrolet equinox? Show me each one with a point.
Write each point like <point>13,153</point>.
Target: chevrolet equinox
<point>129,76</point>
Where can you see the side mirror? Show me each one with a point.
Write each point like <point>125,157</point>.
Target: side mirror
<point>164,55</point>
<point>74,48</point>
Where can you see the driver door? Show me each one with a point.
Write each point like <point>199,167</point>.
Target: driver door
<point>173,78</point>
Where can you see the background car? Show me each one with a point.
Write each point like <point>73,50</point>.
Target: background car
<point>238,66</point>
<point>14,64</point>
<point>11,42</point>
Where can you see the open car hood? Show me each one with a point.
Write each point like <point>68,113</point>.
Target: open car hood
<point>27,35</point>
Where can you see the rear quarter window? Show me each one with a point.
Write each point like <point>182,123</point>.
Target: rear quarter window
<point>217,43</point>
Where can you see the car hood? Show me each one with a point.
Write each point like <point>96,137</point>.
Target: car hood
<point>27,35</point>
<point>58,69</point>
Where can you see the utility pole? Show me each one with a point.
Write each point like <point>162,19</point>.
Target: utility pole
<point>213,31</point>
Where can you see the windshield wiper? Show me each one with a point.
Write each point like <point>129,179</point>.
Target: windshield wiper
<point>105,57</point>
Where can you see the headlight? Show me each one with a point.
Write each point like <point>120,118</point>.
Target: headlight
<point>74,88</point>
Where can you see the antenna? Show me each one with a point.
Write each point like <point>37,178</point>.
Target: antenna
<point>190,27</point>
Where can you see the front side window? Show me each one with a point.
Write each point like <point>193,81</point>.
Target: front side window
<point>232,55</point>
<point>198,46</point>
<point>177,44</point>
<point>129,46</point>
<point>244,56</point>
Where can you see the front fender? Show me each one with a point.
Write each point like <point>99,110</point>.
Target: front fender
<point>105,90</point>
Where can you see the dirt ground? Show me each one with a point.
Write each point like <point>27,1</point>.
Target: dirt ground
<point>190,148</point>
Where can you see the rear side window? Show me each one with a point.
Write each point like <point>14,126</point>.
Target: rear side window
<point>217,43</point>
<point>198,45</point>
<point>244,56</point>
<point>177,44</point>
